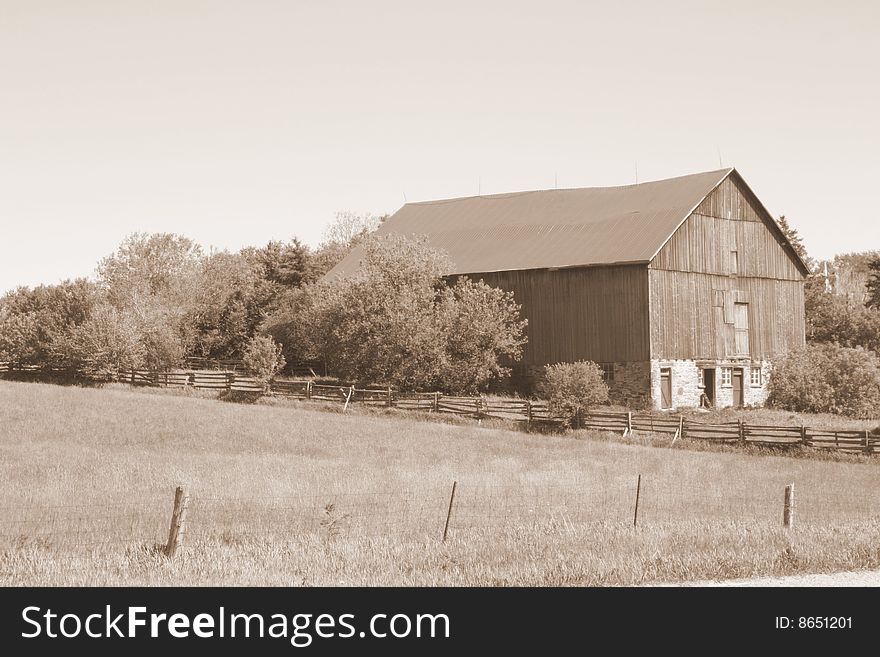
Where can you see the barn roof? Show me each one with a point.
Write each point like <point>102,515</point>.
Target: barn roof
<point>551,228</point>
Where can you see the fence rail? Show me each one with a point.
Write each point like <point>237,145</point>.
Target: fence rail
<point>513,410</point>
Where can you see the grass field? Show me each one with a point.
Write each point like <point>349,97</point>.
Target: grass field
<point>284,495</point>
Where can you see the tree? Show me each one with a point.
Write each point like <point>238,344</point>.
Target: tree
<point>345,232</point>
<point>33,320</point>
<point>873,284</point>
<point>827,378</point>
<point>262,358</point>
<point>834,319</point>
<point>397,321</point>
<point>286,264</point>
<point>380,326</point>
<point>105,344</point>
<point>572,388</point>
<point>230,301</point>
<point>797,243</point>
<point>349,228</point>
<point>18,331</point>
<point>482,328</point>
<point>163,265</point>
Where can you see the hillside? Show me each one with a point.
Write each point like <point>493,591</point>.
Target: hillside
<point>293,496</point>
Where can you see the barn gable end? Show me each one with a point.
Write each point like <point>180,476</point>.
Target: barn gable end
<point>726,291</point>
<point>731,220</point>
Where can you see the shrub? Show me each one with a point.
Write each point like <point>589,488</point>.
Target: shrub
<point>572,388</point>
<point>262,358</point>
<point>827,378</point>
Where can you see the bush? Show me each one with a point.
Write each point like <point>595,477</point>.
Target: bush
<point>262,358</point>
<point>827,378</point>
<point>572,388</point>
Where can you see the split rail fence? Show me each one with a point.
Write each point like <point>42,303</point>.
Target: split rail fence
<point>525,411</point>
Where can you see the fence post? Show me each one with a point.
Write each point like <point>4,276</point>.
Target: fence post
<point>742,431</point>
<point>436,407</point>
<point>178,522</point>
<point>629,424</point>
<point>638,491</point>
<point>308,389</point>
<point>449,511</point>
<point>191,379</point>
<point>804,440</point>
<point>528,411</point>
<point>230,379</point>
<point>867,442</point>
<point>389,400</point>
<point>788,507</point>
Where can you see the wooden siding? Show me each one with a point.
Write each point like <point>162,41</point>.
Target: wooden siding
<point>693,315</point>
<point>592,313</point>
<point>729,220</point>
<point>727,252</point>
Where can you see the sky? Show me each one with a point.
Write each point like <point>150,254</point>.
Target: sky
<point>239,122</point>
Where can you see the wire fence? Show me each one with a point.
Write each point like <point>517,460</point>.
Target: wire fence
<point>160,524</point>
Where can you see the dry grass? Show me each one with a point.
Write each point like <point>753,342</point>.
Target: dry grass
<point>286,495</point>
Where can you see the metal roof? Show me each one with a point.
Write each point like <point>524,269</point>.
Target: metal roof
<point>551,228</point>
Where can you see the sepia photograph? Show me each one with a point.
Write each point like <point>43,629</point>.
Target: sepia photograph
<point>554,299</point>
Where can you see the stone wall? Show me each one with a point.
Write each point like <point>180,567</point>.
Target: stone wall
<point>631,385</point>
<point>685,379</point>
<point>686,390</point>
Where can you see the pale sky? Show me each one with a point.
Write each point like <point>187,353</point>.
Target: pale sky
<point>236,122</point>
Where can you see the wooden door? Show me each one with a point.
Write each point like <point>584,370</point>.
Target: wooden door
<point>665,387</point>
<point>738,387</point>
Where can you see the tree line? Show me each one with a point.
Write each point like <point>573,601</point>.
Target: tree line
<point>159,298</point>
<point>838,371</point>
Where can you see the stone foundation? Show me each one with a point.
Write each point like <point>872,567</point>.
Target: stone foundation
<point>630,384</point>
<point>636,385</point>
<point>686,388</point>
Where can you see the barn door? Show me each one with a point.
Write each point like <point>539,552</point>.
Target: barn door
<point>665,387</point>
<point>738,387</point>
<point>709,385</point>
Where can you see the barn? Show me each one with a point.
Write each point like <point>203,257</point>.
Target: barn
<point>679,288</point>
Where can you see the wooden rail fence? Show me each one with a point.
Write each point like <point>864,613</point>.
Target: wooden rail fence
<point>514,410</point>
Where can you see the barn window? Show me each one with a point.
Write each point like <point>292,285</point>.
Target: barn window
<point>757,377</point>
<point>734,263</point>
<point>726,373</point>
<point>741,328</point>
<point>607,372</point>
